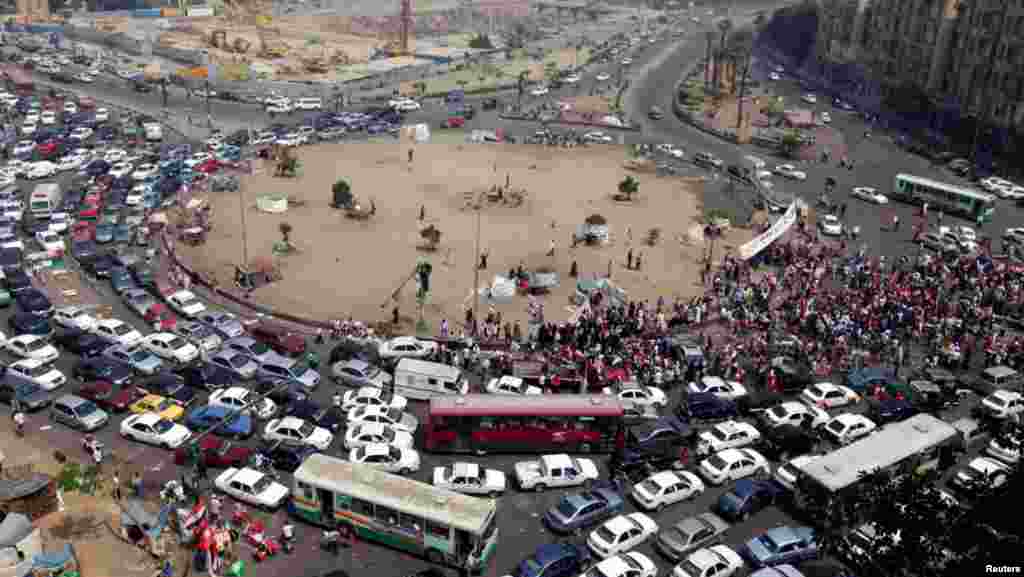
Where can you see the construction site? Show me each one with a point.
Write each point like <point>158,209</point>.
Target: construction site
<point>247,40</point>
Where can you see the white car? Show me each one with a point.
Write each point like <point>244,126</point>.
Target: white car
<point>377,434</point>
<point>848,427</point>
<point>400,420</point>
<point>774,76</point>
<point>732,465</point>
<point>539,91</point>
<point>603,76</point>
<point>627,61</point>
<point>632,564</point>
<point>825,118</point>
<point>716,561</point>
<point>280,108</point>
<point>32,347</point>
<point>406,348</point>
<point>136,195</point>
<point>50,242</point>
<point>75,318</point>
<point>471,479</point>
<point>408,106</point>
<point>171,347</point>
<point>40,373</point>
<point>59,222</point>
<point>828,395</point>
<point>620,534</point>
<point>598,136</point>
<point>1006,448</point>
<point>982,471</point>
<point>795,414</point>
<point>186,304</point>
<point>197,159</point>
<point>114,155</point>
<point>102,115</point>
<point>252,487</point>
<point>755,162</point>
<point>295,430</point>
<point>396,102</point>
<point>666,488</point>
<point>85,78</point>
<point>121,169</point>
<point>571,79</point>
<point>264,138</point>
<point>809,98</point>
<point>117,332</point>
<point>70,108</point>
<point>788,473</point>
<point>70,162</point>
<point>558,470</point>
<point>509,385</point>
<point>789,171</point>
<point>869,194</point>
<point>309,103</point>
<point>373,396</point>
<point>144,171</point>
<point>831,225</point>
<point>387,458</point>
<point>41,169</point>
<point>1003,404</point>
<point>48,118</point>
<point>290,139</point>
<point>29,128</point>
<point>639,395</point>
<point>719,387</point>
<point>727,435</point>
<point>24,147</point>
<point>238,398</point>
<point>80,133</point>
<point>152,429</point>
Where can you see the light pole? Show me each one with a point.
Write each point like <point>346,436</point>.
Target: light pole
<point>476,273</point>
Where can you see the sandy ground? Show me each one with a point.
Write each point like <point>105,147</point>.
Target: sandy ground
<point>343,266</point>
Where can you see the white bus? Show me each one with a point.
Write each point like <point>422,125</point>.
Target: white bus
<point>948,198</point>
<point>441,525</point>
<point>909,446</point>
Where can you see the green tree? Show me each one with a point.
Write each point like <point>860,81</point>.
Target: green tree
<point>629,186</point>
<point>341,194</point>
<point>481,42</point>
<point>790,142</point>
<point>421,88</point>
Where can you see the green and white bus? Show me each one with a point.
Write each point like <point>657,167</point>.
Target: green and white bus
<point>441,525</point>
<point>945,197</point>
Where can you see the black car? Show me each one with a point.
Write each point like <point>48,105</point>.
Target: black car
<point>329,418</point>
<point>143,87</point>
<point>286,456</point>
<point>17,281</point>
<point>489,103</point>
<point>739,173</point>
<point>170,386</point>
<point>99,266</point>
<point>348,349</point>
<point>80,343</point>
<point>207,376</point>
<point>882,411</point>
<point>706,407</point>
<point>786,441</point>
<point>34,301</point>
<point>284,393</point>
<point>657,446</point>
<point>25,323</point>
<point>757,400</point>
<point>791,374</point>
<point>101,369</point>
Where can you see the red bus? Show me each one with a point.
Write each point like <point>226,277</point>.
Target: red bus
<point>524,424</point>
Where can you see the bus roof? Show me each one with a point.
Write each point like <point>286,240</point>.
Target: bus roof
<point>890,445</point>
<point>969,192</point>
<point>526,405</point>
<point>409,496</point>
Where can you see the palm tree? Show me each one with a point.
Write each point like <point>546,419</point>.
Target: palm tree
<point>742,46</point>
<point>724,26</point>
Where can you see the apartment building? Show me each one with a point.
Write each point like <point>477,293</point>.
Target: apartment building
<point>943,46</point>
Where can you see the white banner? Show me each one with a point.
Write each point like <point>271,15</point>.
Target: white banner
<point>758,243</point>
<point>200,12</point>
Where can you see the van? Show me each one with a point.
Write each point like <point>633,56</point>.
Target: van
<point>969,432</point>
<point>416,379</point>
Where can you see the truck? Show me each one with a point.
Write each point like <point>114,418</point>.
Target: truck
<point>45,200</point>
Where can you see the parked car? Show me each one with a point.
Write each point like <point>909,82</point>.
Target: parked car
<point>689,534</point>
<point>581,510</point>
<point>279,339</point>
<point>153,429</point>
<point>780,545</point>
<point>78,413</point>
<point>110,397</point>
<point>216,452</point>
<point>207,417</point>
<point>252,487</point>
<point>748,496</point>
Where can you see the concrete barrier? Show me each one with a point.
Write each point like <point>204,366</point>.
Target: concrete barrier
<point>190,57</point>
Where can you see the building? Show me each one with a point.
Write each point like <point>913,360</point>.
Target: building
<point>943,46</point>
<point>33,10</point>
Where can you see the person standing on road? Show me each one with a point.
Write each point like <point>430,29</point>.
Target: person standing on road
<point>895,223</point>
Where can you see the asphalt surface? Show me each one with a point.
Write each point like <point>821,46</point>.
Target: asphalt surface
<point>519,525</point>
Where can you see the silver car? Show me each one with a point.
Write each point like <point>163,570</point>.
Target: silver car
<point>359,373</point>
<point>78,413</point>
<point>252,348</point>
<point>199,335</point>
<point>223,323</point>
<point>285,369</point>
<point>235,362</point>
<point>689,534</point>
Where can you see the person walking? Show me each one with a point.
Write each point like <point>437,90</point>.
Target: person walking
<point>116,481</point>
<point>895,223</point>
<point>629,259</point>
<point>137,485</point>
<point>551,248</point>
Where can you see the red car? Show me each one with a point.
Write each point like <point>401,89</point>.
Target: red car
<point>158,314</point>
<point>48,149</point>
<point>217,453</point>
<point>83,231</point>
<point>453,122</point>
<point>89,211</point>
<point>109,397</point>
<point>208,167</point>
<point>279,338</point>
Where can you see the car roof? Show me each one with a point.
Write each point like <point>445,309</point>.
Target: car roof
<point>71,400</point>
<point>247,476</point>
<point>372,428</point>
<point>782,535</point>
<point>357,364</point>
<point>554,551</point>
<point>466,469</point>
<point>703,558</point>
<point>370,392</point>
<point>376,449</point>
<point>234,392</point>
<point>557,461</point>
<point>619,524</point>
<point>290,422</point>
<point>664,478</point>
<point>148,418</point>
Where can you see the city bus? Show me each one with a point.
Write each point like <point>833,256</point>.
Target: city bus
<point>913,445</point>
<point>524,423</point>
<point>948,198</point>
<point>443,526</point>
